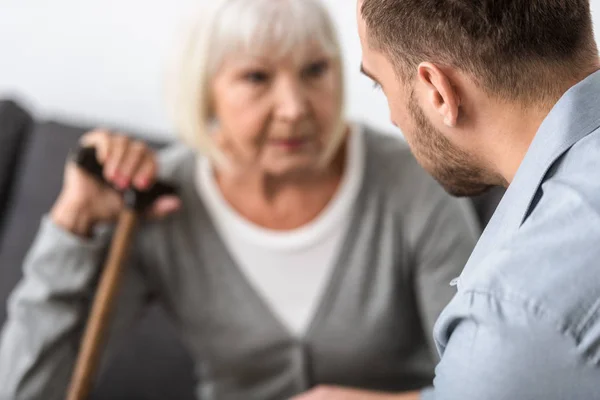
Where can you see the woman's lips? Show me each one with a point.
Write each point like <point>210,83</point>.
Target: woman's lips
<point>290,144</point>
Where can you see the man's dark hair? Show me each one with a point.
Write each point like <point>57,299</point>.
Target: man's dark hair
<point>515,49</point>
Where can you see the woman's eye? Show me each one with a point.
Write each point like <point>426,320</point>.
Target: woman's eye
<point>316,70</point>
<point>257,77</point>
<point>376,85</point>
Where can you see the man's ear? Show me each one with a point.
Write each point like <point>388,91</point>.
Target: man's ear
<point>440,92</point>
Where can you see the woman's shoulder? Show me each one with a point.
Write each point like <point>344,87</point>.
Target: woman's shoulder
<point>408,189</point>
<point>391,165</point>
<point>177,165</point>
<point>389,153</point>
<point>176,162</point>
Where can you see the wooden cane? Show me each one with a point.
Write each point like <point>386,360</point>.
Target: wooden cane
<point>89,355</point>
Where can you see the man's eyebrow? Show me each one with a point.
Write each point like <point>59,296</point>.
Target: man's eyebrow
<point>366,73</point>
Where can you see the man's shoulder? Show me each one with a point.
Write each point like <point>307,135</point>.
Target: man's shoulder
<point>550,268</point>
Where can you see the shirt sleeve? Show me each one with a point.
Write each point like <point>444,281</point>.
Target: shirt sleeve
<point>509,354</point>
<point>47,312</point>
<point>443,248</point>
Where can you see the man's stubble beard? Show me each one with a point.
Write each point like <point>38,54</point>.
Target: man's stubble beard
<point>456,170</point>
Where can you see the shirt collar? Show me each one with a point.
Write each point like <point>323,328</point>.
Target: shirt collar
<point>573,117</point>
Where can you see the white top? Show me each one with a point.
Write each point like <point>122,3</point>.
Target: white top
<point>289,269</point>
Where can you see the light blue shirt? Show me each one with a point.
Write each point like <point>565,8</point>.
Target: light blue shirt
<point>525,322</point>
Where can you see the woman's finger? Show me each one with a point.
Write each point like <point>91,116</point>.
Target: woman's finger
<point>146,172</point>
<point>114,161</point>
<point>132,160</point>
<point>164,206</point>
<point>100,139</point>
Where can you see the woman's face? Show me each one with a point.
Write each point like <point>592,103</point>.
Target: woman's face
<point>276,115</point>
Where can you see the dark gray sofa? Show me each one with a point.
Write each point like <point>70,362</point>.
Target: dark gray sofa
<point>152,363</point>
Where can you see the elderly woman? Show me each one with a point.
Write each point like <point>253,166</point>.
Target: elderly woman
<point>305,255</point>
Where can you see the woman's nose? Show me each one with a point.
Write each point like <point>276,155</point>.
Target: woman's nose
<point>292,102</point>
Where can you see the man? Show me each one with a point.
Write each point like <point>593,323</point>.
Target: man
<point>506,92</point>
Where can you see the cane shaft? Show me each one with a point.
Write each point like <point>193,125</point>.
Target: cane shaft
<point>93,339</point>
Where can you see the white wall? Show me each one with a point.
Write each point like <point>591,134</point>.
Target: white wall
<point>101,61</point>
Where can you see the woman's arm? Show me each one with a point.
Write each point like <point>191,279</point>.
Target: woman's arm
<point>441,251</point>
<point>48,309</point>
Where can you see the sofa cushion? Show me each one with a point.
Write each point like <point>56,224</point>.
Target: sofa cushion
<point>150,362</point>
<point>14,125</point>
<point>37,183</point>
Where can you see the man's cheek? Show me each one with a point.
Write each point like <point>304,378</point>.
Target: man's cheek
<point>398,118</point>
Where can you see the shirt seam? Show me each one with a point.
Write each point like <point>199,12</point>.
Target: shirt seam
<point>538,310</point>
<point>572,331</point>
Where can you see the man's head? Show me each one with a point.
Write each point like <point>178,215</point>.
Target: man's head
<point>447,67</point>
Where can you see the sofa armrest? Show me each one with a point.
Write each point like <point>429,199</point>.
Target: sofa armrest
<point>15,124</point>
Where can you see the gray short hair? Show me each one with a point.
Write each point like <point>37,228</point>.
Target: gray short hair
<point>224,27</point>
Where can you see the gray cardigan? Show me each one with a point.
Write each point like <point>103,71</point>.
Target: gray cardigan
<point>407,240</point>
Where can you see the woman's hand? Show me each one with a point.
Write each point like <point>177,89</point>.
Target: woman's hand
<point>341,393</point>
<point>84,202</point>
